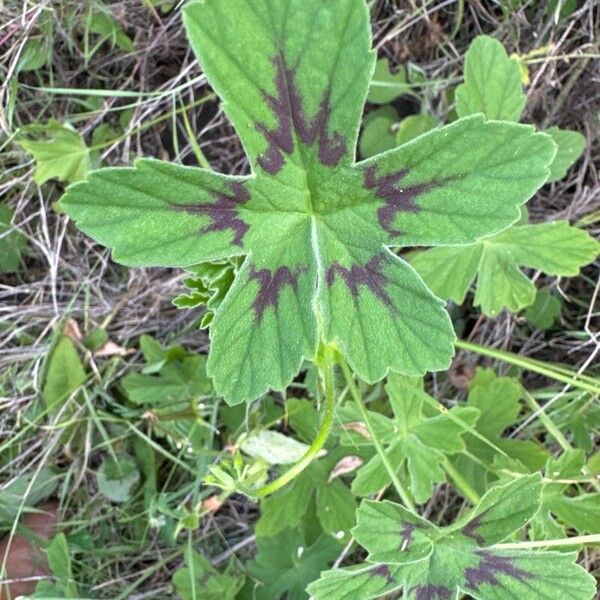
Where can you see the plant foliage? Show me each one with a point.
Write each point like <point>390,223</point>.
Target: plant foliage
<point>315,227</point>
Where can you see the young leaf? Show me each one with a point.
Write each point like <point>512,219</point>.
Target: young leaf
<point>118,480</point>
<point>555,248</point>
<point>387,86</point>
<point>414,125</point>
<point>411,439</point>
<point>409,554</point>
<point>285,564</point>
<point>545,309</point>
<point>378,134</point>
<point>199,580</point>
<point>12,242</point>
<point>59,152</point>
<point>314,226</point>
<point>492,82</point>
<point>65,374</point>
<point>570,146</point>
<point>59,561</point>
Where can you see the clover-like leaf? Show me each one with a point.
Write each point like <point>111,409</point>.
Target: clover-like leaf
<point>314,226</point>
<point>425,562</point>
<point>555,248</point>
<point>412,439</point>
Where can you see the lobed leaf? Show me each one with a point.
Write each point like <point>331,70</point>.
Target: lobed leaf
<point>313,225</point>
<point>410,554</point>
<point>492,82</point>
<point>555,248</point>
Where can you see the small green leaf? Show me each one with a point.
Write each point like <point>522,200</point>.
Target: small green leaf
<point>387,86</point>
<point>59,152</point>
<point>118,480</point>
<point>409,554</point>
<point>411,439</point>
<point>95,339</point>
<point>199,580</point>
<point>176,381</point>
<point>492,82</point>
<point>274,448</point>
<point>555,248</point>
<point>545,309</point>
<point>285,564</point>
<point>59,561</point>
<point>571,145</point>
<point>22,490</point>
<point>65,374</point>
<point>12,242</point>
<point>104,24</point>
<point>378,132</point>
<point>413,126</point>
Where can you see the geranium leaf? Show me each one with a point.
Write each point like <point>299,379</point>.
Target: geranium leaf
<point>570,146</point>
<point>12,241</point>
<point>555,248</point>
<point>385,85</point>
<point>426,562</point>
<point>492,82</point>
<point>285,564</point>
<point>313,225</point>
<point>411,439</point>
<point>59,152</point>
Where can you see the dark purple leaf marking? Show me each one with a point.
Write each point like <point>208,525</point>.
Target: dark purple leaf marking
<point>431,592</point>
<point>470,529</point>
<point>491,566</point>
<point>223,212</point>
<point>407,534</point>
<point>371,275</point>
<point>383,571</point>
<point>288,107</point>
<point>397,198</point>
<point>271,285</point>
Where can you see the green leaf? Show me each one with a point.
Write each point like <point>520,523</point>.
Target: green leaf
<point>498,401</point>
<point>118,480</point>
<point>199,580</point>
<point>570,146</point>
<point>545,309</point>
<point>492,82</point>
<point>387,86</point>
<point>178,380</point>
<point>273,447</point>
<point>59,561</point>
<point>22,490</point>
<point>12,242</point>
<point>284,564</point>
<point>313,225</point>
<point>105,25</point>
<point>65,374</point>
<point>413,126</point>
<point>335,503</point>
<point>411,439</point>
<point>378,132</point>
<point>409,554</point>
<point>58,150</point>
<point>555,248</point>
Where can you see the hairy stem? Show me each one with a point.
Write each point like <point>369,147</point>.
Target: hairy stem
<point>356,395</point>
<point>573,541</point>
<point>326,369</point>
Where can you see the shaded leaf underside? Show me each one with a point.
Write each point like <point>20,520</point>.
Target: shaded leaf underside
<point>313,225</point>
